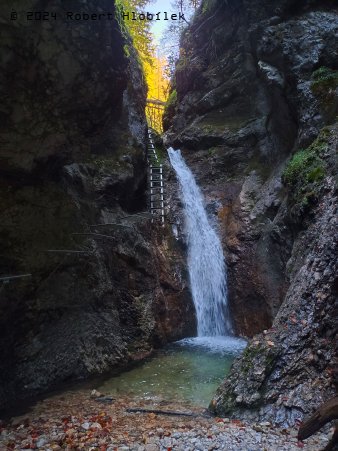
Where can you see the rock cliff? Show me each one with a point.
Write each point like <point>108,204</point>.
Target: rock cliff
<point>256,83</point>
<point>73,181</point>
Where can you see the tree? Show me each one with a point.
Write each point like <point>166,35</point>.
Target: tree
<point>139,30</point>
<point>171,44</point>
<point>153,64</point>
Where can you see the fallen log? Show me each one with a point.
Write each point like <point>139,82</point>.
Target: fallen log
<point>162,412</point>
<point>326,413</point>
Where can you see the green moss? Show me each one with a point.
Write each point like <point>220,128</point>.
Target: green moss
<point>304,173</point>
<point>316,174</point>
<point>324,75</point>
<point>324,87</point>
<point>172,100</point>
<point>126,50</point>
<point>247,358</point>
<point>298,167</point>
<point>252,356</point>
<point>171,103</point>
<point>170,108</point>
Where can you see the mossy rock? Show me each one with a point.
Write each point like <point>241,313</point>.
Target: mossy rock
<point>325,87</point>
<point>247,382</point>
<point>304,174</point>
<point>170,109</point>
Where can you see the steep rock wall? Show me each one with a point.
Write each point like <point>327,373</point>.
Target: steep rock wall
<point>244,103</point>
<point>73,136</point>
<point>288,370</point>
<point>256,82</point>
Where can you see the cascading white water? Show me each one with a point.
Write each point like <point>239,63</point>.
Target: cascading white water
<point>206,262</point>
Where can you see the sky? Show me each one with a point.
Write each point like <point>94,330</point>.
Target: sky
<point>158,26</point>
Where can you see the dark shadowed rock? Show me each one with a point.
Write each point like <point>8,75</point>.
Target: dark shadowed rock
<point>73,135</point>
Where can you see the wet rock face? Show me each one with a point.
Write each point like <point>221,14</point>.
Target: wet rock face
<point>266,86</point>
<point>73,157</point>
<point>287,371</point>
<point>246,101</point>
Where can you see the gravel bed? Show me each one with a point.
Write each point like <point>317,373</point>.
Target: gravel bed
<point>75,421</point>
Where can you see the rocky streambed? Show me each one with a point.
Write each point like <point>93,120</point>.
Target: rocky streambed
<point>75,420</point>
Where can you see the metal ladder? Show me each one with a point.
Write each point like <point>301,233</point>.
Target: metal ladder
<point>156,182</point>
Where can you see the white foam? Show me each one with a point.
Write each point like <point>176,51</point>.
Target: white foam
<point>220,344</point>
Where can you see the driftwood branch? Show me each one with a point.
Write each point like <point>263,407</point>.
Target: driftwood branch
<point>8,278</point>
<point>326,413</point>
<point>162,412</point>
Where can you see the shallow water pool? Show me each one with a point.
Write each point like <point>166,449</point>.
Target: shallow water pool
<point>188,370</point>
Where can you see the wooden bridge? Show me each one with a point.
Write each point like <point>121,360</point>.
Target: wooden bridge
<point>154,113</point>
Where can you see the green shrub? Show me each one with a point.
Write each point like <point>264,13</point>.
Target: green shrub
<point>170,109</point>
<point>296,172</point>
<point>304,173</point>
<point>172,100</point>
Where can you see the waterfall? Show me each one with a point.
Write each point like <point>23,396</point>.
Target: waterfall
<point>206,264</point>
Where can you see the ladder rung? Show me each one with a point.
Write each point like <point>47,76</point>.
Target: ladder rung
<point>156,182</point>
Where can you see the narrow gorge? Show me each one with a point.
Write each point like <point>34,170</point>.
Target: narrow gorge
<point>231,301</point>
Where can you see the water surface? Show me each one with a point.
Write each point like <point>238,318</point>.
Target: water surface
<point>189,370</point>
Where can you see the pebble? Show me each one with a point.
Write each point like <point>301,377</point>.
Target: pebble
<point>236,439</point>
<point>152,447</point>
<point>139,433</point>
<point>42,441</point>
